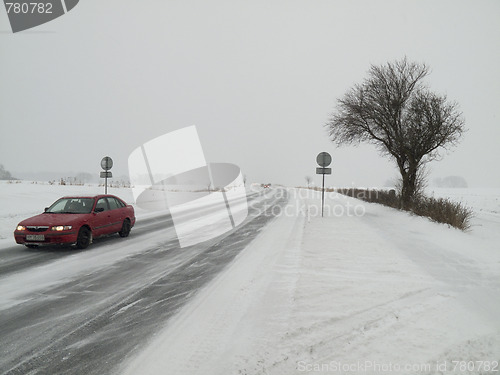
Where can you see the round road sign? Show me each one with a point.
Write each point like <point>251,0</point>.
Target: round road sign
<point>324,159</point>
<point>106,163</point>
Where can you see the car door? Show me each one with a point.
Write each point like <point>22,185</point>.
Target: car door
<point>101,219</point>
<point>115,215</point>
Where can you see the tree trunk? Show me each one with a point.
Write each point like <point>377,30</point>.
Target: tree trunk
<point>409,186</point>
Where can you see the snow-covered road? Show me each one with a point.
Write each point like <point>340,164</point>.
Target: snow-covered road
<point>64,311</point>
<point>365,290</point>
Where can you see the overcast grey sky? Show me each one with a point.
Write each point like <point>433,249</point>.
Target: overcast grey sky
<point>258,79</point>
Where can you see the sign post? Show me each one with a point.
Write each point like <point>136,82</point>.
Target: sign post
<point>106,164</point>
<point>324,159</point>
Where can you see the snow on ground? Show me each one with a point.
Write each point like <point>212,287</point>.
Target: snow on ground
<point>364,290</point>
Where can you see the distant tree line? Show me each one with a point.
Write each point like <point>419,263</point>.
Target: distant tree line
<point>451,182</point>
<point>4,174</point>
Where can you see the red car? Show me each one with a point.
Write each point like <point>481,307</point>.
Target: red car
<point>77,220</point>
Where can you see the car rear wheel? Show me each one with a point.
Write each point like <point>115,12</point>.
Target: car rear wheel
<point>84,238</point>
<point>125,231</point>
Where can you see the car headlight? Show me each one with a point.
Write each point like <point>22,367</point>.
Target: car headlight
<point>60,228</point>
<point>20,228</point>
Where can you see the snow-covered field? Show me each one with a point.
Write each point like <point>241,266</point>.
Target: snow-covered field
<point>364,290</point>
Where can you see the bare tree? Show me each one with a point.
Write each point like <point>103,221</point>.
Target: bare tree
<point>396,112</point>
<point>308,180</point>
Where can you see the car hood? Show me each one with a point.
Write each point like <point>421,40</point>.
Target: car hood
<point>54,219</point>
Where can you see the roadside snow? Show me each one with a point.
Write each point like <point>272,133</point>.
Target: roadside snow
<point>365,290</point>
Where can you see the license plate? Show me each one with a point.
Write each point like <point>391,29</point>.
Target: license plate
<point>35,237</point>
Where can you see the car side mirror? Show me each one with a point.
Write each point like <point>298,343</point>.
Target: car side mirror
<point>45,209</point>
<point>99,209</point>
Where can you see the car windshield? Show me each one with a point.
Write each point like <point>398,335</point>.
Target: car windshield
<point>71,206</point>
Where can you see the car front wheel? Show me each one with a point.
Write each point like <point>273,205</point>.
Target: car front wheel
<point>84,238</point>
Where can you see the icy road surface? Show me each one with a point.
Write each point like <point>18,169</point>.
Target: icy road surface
<point>65,311</point>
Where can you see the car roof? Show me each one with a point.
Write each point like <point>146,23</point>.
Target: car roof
<point>90,196</point>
